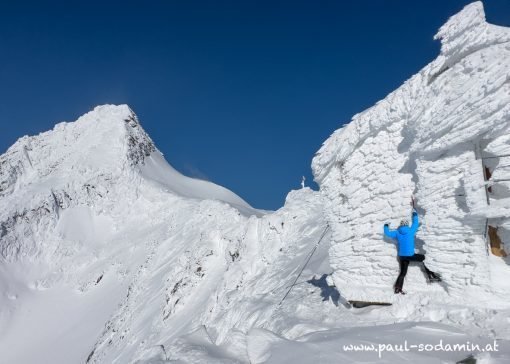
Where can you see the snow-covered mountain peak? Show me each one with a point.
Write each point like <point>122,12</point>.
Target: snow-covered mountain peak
<point>99,166</point>
<point>105,149</point>
<point>102,142</point>
<point>93,210</point>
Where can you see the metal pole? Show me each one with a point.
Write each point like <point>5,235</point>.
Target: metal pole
<point>496,156</point>
<point>500,180</point>
<point>478,152</point>
<point>486,236</point>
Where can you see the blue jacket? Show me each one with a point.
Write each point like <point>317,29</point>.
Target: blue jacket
<point>405,237</point>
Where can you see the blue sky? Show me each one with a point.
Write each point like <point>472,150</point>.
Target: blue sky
<point>242,93</point>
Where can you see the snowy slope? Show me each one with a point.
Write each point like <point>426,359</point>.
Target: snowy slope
<point>109,255</point>
<point>81,206</point>
<point>425,139</point>
<point>129,261</point>
<point>108,252</point>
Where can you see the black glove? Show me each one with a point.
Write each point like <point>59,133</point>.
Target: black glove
<point>415,213</point>
<point>386,224</point>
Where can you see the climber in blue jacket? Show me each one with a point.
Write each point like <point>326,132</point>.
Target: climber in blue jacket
<point>405,237</point>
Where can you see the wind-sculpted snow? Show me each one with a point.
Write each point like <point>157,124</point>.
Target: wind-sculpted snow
<point>110,255</point>
<point>424,139</point>
<point>227,275</point>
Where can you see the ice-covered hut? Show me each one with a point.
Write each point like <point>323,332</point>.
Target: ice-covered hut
<point>439,137</point>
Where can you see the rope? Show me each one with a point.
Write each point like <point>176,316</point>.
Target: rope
<point>304,266</point>
<point>268,321</point>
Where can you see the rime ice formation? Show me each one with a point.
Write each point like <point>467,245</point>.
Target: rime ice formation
<point>427,139</point>
<point>109,255</point>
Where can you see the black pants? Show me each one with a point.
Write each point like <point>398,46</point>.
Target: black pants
<point>404,263</point>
